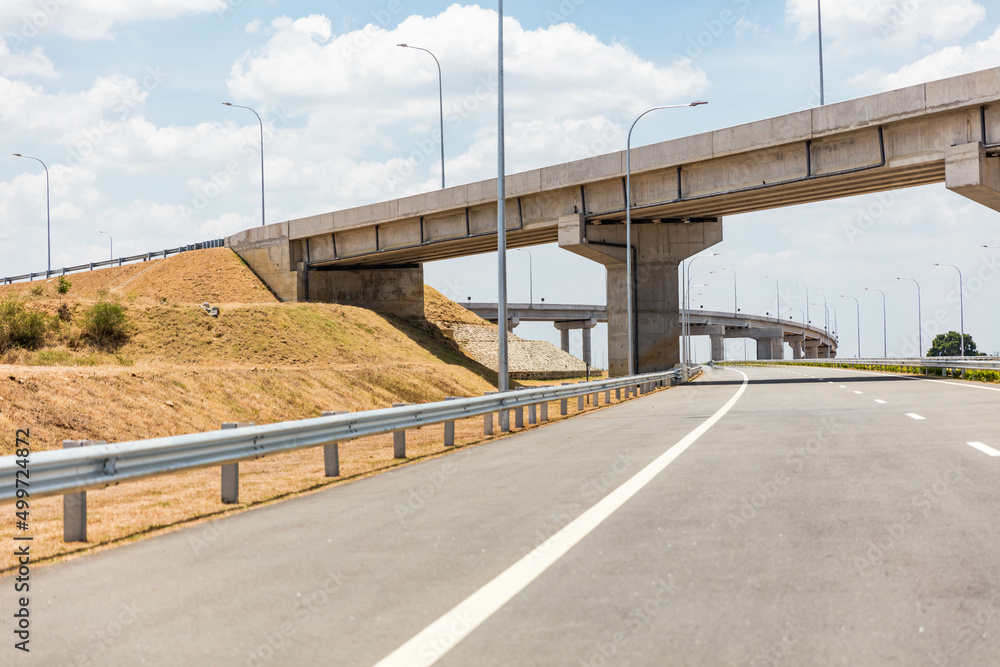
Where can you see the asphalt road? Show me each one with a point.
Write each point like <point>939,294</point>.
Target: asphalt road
<point>828,517</point>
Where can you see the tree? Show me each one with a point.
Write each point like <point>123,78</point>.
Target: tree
<point>949,345</point>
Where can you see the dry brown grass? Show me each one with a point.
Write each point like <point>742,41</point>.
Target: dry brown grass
<point>182,371</point>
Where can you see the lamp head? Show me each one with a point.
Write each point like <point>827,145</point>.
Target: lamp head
<point>228,104</point>
<point>402,45</point>
<point>19,155</point>
<point>697,103</point>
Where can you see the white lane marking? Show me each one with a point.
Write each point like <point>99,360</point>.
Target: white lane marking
<point>914,415</point>
<point>985,449</point>
<point>879,400</point>
<point>858,392</point>
<point>843,386</point>
<point>434,641</point>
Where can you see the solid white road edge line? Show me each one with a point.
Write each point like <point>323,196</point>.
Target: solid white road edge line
<point>985,449</point>
<point>434,641</point>
<point>954,384</point>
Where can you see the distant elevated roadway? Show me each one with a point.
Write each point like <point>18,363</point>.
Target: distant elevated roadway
<point>807,342</point>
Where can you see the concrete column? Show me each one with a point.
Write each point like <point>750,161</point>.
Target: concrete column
<point>586,346</point>
<point>564,339</point>
<point>331,452</point>
<point>658,250</point>
<point>585,326</point>
<point>770,348</point>
<point>718,347</point>
<point>796,343</point>
<point>811,348</point>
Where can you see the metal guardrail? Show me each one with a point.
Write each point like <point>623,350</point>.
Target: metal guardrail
<point>145,257</point>
<point>944,363</point>
<point>66,471</point>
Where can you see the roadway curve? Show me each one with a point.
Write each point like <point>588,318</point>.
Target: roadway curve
<point>830,517</point>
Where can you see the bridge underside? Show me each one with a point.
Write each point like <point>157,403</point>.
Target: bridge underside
<point>373,255</point>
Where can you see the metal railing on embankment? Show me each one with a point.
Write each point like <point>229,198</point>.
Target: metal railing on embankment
<point>145,257</point>
<point>946,365</point>
<point>72,471</point>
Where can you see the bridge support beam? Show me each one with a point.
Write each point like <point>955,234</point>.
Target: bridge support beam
<point>971,174</point>
<point>811,348</point>
<point>585,327</point>
<point>394,290</point>
<point>657,250</point>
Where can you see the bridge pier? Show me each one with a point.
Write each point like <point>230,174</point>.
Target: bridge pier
<point>586,327</point>
<point>811,348</point>
<point>970,173</point>
<point>770,348</point>
<point>658,249</point>
<point>796,343</point>
<point>718,347</point>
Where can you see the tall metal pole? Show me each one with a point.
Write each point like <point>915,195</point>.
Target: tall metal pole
<point>777,294</point>
<point>686,304</point>
<point>531,290</point>
<point>230,104</point>
<point>920,319</point>
<point>961,305</point>
<point>808,319</point>
<point>819,17</point>
<point>736,299</point>
<point>628,230</point>
<point>48,214</point>
<point>885,338</point>
<point>111,242</point>
<point>503,381</point>
<point>440,101</point>
<point>857,305</point>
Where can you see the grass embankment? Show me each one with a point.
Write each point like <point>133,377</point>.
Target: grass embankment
<point>182,371</point>
<point>971,375</point>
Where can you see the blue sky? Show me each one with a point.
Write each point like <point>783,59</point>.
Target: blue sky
<point>123,101</point>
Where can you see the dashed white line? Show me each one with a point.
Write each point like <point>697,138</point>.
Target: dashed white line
<point>914,416</point>
<point>843,386</point>
<point>879,400</point>
<point>985,449</point>
<point>858,392</point>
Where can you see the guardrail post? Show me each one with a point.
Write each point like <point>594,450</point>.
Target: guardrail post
<point>331,452</point>
<point>449,427</point>
<point>544,405</point>
<point>580,400</point>
<point>564,402</point>
<point>519,414</point>
<point>399,439</point>
<point>488,418</point>
<point>231,472</point>
<point>533,414</point>
<point>75,504</point>
<point>503,420</point>
<point>618,393</point>
<point>596,400</point>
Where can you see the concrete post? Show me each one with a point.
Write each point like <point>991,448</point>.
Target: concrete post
<point>75,504</point>
<point>564,402</point>
<point>545,409</point>
<point>231,472</point>
<point>331,452</point>
<point>449,427</point>
<point>533,413</point>
<point>580,401</point>
<point>595,398</point>
<point>519,416</point>
<point>586,346</point>
<point>564,339</point>
<point>488,417</point>
<point>607,397</point>
<point>399,439</point>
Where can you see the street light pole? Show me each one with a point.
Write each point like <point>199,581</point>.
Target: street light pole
<point>48,214</point>
<point>920,320</point>
<point>686,304</point>
<point>111,241</point>
<point>628,229</point>
<point>819,17</point>
<point>808,319</point>
<point>961,305</point>
<point>440,101</point>
<point>736,299</point>
<point>885,338</point>
<point>857,305</point>
<point>230,104</point>
<point>777,294</point>
<point>503,378</point>
<point>531,289</point>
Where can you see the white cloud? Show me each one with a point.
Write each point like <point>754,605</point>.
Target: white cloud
<point>23,20</point>
<point>888,26</point>
<point>949,61</point>
<point>25,63</point>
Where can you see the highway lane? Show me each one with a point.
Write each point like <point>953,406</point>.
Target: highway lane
<point>810,525</point>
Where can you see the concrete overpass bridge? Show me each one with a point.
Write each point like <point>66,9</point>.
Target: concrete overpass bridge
<point>372,256</point>
<point>771,334</point>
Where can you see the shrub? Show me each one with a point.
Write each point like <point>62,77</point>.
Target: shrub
<point>106,323</point>
<point>20,327</point>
